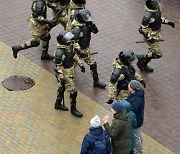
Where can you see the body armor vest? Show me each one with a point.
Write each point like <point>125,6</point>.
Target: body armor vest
<point>156,25</point>
<point>84,41</point>
<point>129,73</point>
<point>68,61</point>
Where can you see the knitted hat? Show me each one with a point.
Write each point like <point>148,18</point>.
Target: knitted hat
<point>117,106</point>
<point>95,122</point>
<point>135,85</point>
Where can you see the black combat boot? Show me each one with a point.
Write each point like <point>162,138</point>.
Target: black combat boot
<point>59,106</point>
<point>60,97</point>
<point>74,111</point>
<point>46,56</point>
<point>16,49</point>
<point>96,82</point>
<point>142,63</point>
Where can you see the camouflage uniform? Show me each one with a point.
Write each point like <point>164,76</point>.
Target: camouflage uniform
<point>67,73</point>
<point>150,29</point>
<point>39,27</point>
<point>82,31</point>
<point>122,74</point>
<point>59,11</point>
<point>119,90</point>
<point>66,60</point>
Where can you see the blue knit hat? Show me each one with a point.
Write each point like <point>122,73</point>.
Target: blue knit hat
<point>117,106</point>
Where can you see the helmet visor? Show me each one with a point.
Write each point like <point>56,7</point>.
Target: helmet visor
<point>68,36</point>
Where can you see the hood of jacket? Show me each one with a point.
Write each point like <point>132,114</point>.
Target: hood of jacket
<point>96,132</point>
<point>126,105</point>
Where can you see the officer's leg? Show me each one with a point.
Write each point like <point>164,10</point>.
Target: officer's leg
<point>45,47</point>
<point>60,97</point>
<point>74,111</point>
<point>96,83</point>
<point>34,42</point>
<point>70,86</point>
<point>153,53</point>
<point>93,67</point>
<point>142,63</point>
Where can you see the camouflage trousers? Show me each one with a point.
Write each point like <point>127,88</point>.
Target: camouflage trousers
<point>123,94</point>
<point>90,58</point>
<point>35,41</point>
<point>154,51</point>
<point>68,75</point>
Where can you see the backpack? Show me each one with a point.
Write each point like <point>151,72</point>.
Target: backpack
<point>100,145</point>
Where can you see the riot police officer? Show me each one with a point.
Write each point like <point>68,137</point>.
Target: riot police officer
<point>39,26</point>
<point>122,74</point>
<point>65,61</point>
<point>150,29</point>
<point>82,27</point>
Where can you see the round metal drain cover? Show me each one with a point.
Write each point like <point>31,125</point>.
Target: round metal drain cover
<point>15,83</point>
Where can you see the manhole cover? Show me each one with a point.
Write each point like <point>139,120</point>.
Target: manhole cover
<point>15,83</point>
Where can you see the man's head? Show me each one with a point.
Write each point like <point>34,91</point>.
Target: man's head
<point>95,122</point>
<point>153,4</point>
<point>39,8</point>
<point>134,86</point>
<point>64,37</point>
<point>126,56</point>
<point>83,16</point>
<point>116,107</point>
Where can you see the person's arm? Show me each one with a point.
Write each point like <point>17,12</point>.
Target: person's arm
<point>114,130</point>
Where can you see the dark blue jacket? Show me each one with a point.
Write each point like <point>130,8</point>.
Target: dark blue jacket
<point>137,102</point>
<point>88,141</point>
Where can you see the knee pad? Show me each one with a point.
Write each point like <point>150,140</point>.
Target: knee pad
<point>156,56</point>
<point>35,43</point>
<point>93,66</point>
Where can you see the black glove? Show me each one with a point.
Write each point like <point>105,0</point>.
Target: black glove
<point>172,24</point>
<point>82,69</point>
<point>110,101</point>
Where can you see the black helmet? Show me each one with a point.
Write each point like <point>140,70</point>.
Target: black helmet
<point>79,1</point>
<point>64,37</point>
<point>126,56</point>
<point>153,4</point>
<point>83,16</point>
<point>39,7</point>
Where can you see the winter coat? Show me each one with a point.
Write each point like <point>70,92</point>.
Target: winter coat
<point>119,132</point>
<point>137,102</point>
<point>133,121</point>
<point>89,140</point>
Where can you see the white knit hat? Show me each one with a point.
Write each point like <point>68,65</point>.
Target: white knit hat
<point>95,122</point>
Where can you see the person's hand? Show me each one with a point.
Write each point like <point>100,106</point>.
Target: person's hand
<point>105,119</point>
<point>110,101</point>
<point>172,24</point>
<point>82,69</point>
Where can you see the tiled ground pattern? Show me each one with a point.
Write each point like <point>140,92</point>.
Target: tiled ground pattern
<point>118,23</point>
<point>30,125</point>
